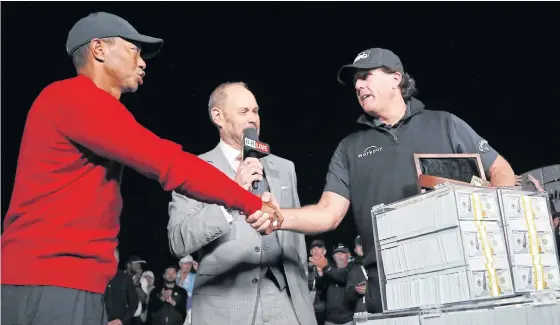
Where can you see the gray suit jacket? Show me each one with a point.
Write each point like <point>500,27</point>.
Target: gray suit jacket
<point>224,290</point>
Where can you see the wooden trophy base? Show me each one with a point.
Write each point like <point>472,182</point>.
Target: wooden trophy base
<point>439,169</point>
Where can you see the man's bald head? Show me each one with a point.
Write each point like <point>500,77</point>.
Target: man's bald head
<point>219,95</point>
<point>233,108</point>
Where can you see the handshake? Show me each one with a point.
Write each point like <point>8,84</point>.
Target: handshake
<point>269,218</point>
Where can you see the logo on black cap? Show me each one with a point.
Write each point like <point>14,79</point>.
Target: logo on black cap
<point>361,56</point>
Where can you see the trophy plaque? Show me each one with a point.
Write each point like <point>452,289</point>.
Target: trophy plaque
<point>438,169</point>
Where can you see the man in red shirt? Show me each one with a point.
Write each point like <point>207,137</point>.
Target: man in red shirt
<point>63,218</point>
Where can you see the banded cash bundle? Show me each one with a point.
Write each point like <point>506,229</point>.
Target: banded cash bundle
<point>442,247</point>
<point>477,181</point>
<point>530,240</point>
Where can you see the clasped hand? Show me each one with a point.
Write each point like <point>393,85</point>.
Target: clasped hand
<point>269,218</point>
<point>319,261</point>
<point>166,295</point>
<point>361,288</point>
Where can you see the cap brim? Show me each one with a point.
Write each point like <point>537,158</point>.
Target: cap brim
<point>150,45</point>
<point>141,261</point>
<point>346,73</point>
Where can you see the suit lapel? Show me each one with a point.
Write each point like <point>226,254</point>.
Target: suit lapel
<point>216,157</point>
<point>275,186</point>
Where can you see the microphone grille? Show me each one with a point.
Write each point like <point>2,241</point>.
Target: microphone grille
<point>251,133</point>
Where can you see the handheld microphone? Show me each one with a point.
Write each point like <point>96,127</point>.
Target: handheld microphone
<point>254,148</point>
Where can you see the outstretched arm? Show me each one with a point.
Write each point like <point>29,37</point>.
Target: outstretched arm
<point>323,216</point>
<point>98,122</point>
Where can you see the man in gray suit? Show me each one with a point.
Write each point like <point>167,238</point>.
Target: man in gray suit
<point>243,277</point>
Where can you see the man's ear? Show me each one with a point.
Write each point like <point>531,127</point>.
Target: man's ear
<point>98,49</point>
<point>217,116</point>
<point>397,78</point>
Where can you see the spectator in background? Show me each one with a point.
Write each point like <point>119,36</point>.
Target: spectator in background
<point>121,300</point>
<point>185,278</point>
<point>147,281</point>
<point>357,279</point>
<point>134,269</point>
<point>147,284</point>
<point>333,280</point>
<point>555,219</point>
<point>317,296</point>
<point>168,302</point>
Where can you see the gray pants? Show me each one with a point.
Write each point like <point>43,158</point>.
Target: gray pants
<point>274,306</point>
<point>45,305</point>
<point>349,323</point>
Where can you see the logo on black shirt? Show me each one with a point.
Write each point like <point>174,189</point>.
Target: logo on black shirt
<point>370,151</point>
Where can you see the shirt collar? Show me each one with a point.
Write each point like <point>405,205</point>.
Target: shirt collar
<point>373,121</point>
<point>230,152</point>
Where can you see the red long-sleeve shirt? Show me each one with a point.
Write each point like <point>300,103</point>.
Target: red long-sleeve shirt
<point>62,224</point>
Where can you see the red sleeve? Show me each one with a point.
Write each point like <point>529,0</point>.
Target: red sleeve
<point>96,120</point>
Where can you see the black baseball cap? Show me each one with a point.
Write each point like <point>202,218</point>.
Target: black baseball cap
<point>318,243</point>
<point>135,259</point>
<point>369,59</point>
<point>341,249</point>
<point>103,25</point>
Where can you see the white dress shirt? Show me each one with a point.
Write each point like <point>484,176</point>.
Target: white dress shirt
<point>232,156</point>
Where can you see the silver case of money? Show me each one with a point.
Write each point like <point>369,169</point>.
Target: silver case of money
<point>520,261</point>
<point>425,216</point>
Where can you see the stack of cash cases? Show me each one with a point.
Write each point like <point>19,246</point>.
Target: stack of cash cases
<point>466,255</point>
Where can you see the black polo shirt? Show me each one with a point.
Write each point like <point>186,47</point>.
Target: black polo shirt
<point>375,164</point>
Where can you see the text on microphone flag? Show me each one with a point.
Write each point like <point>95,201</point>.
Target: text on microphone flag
<point>260,146</point>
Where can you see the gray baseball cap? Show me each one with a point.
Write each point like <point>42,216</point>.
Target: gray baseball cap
<point>103,25</point>
<point>369,59</point>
